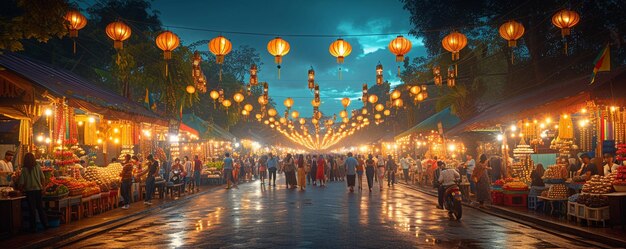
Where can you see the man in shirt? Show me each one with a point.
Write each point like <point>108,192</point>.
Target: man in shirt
<point>228,171</point>
<point>351,164</point>
<point>417,177</point>
<point>6,164</point>
<point>272,166</point>
<point>469,165</point>
<point>447,178</point>
<point>587,169</point>
<point>153,166</point>
<point>405,163</point>
<point>609,164</point>
<point>197,171</point>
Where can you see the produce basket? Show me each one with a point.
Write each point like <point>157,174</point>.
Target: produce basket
<point>619,188</point>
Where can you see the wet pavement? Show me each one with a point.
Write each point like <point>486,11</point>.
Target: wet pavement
<point>320,217</point>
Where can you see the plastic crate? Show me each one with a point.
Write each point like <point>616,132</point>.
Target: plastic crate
<point>515,200</point>
<point>597,214</point>
<point>581,213</point>
<point>534,203</point>
<point>497,198</point>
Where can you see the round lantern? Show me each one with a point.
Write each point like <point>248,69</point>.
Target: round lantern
<point>372,99</point>
<point>343,114</point>
<point>314,121</point>
<point>377,116</point>
<point>282,120</point>
<point>167,41</point>
<point>214,95</point>
<point>272,112</point>
<point>340,49</point>
<point>454,42</point>
<point>245,112</point>
<point>345,120</point>
<point>400,46</point>
<point>190,89</point>
<point>415,90</point>
<point>511,31</point>
<point>396,94</point>
<point>75,21</point>
<point>387,112</point>
<point>278,48</point>
<point>258,116</point>
<point>238,97</point>
<point>315,103</point>
<point>302,121</point>
<point>345,102</point>
<point>398,103</point>
<point>226,103</point>
<point>288,103</point>
<point>262,100</point>
<point>565,20</point>
<point>379,107</point>
<point>118,32</point>
<point>220,47</point>
<point>295,114</point>
<point>248,107</point>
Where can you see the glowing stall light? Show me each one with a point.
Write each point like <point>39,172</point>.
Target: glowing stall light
<point>174,138</point>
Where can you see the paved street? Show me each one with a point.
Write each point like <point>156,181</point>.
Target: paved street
<point>330,217</point>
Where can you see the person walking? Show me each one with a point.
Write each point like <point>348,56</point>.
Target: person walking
<point>321,168</point>
<point>341,167</point>
<point>301,172</point>
<point>334,173</point>
<point>290,171</point>
<point>381,171</point>
<point>127,180</point>
<point>419,170</point>
<point>313,173</point>
<point>152,170</point>
<point>262,169</point>
<point>481,179</point>
<point>391,168</point>
<point>370,171</point>
<point>360,168</point>
<point>229,165</point>
<point>272,167</point>
<point>405,163</point>
<point>31,183</point>
<point>351,165</point>
<point>197,171</point>
<point>188,166</point>
<point>470,164</point>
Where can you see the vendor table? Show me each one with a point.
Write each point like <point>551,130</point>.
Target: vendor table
<point>562,211</point>
<point>60,205</point>
<point>10,216</point>
<point>617,204</point>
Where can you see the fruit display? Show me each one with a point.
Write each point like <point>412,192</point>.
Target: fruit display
<point>522,150</point>
<point>621,152</point>
<point>553,174</point>
<point>56,190</point>
<point>106,178</point>
<point>515,186</point>
<point>620,176</point>
<point>564,146</point>
<point>557,191</point>
<point>76,186</point>
<point>593,201</point>
<point>598,185</point>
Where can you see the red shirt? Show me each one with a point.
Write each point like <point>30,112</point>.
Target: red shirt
<point>197,165</point>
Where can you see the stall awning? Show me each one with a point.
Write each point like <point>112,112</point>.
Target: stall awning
<point>205,129</point>
<point>79,92</point>
<point>184,127</point>
<point>567,96</point>
<point>445,116</point>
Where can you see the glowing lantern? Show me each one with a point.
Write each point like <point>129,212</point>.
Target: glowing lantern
<point>248,107</point>
<point>302,121</point>
<point>565,20</point>
<point>118,32</point>
<point>400,46</point>
<point>258,116</point>
<point>451,76</point>
<point>340,49</point>
<point>345,120</point>
<point>238,98</point>
<point>315,103</point>
<point>511,31</point>
<point>288,103</point>
<point>167,41</point>
<point>226,103</point>
<point>220,47</point>
<point>295,114</point>
<point>278,48</point>
<point>343,114</point>
<point>372,99</point>
<point>454,42</point>
<point>387,112</point>
<point>379,107</point>
<point>253,77</point>
<point>75,21</point>
<point>396,94</point>
<point>311,79</point>
<point>283,120</point>
<point>377,116</point>
<point>364,111</point>
<point>314,121</point>
<point>245,112</point>
<point>379,74</point>
<point>272,112</point>
<point>214,95</point>
<point>415,90</point>
<point>345,102</point>
<point>190,89</point>
<point>398,103</point>
<point>262,100</point>
<point>437,78</point>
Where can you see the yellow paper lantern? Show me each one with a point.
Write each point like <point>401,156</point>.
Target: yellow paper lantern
<point>214,94</point>
<point>340,49</point>
<point>118,32</point>
<point>565,20</point>
<point>377,116</point>
<point>398,103</point>
<point>295,114</point>
<point>372,99</point>
<point>343,114</point>
<point>302,121</point>
<point>511,31</point>
<point>396,94</point>
<point>454,42</point>
<point>248,107</point>
<point>226,103</point>
<point>272,112</point>
<point>262,100</point>
<point>415,90</point>
<point>238,97</point>
<point>220,47</point>
<point>75,21</point>
<point>379,107</point>
<point>278,48</point>
<point>288,103</point>
<point>315,103</point>
<point>345,102</point>
<point>387,112</point>
<point>190,89</point>
<point>245,112</point>
<point>167,41</point>
<point>400,47</point>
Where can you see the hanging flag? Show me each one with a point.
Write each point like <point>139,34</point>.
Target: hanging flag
<point>602,63</point>
<point>146,100</point>
<point>181,111</point>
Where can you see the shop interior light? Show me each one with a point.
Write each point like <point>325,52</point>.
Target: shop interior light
<point>48,112</point>
<point>173,138</point>
<point>91,120</point>
<point>513,128</point>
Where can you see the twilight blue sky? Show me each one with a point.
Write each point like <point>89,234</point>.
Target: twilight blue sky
<point>296,17</point>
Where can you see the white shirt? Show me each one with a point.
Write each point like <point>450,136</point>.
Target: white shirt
<point>448,177</point>
<point>6,166</point>
<point>612,169</point>
<point>470,166</point>
<point>405,163</point>
<point>380,162</point>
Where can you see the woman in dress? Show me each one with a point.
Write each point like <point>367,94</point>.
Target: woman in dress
<point>313,173</point>
<point>341,167</point>
<point>31,183</point>
<point>360,168</point>
<point>481,178</point>
<point>321,167</point>
<point>290,171</point>
<point>370,171</point>
<point>301,172</point>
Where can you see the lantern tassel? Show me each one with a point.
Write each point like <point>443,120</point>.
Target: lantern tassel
<point>278,67</point>
<point>166,69</point>
<point>74,45</point>
<point>220,73</point>
<point>340,73</point>
<point>398,71</point>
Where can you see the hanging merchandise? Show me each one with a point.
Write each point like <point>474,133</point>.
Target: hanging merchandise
<point>278,48</point>
<point>340,49</point>
<point>220,47</point>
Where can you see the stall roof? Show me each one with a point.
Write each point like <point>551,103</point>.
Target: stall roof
<point>207,130</point>
<point>79,92</point>
<point>445,116</point>
<point>566,96</point>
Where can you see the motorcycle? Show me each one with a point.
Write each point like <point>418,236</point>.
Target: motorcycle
<point>452,202</point>
<point>176,177</point>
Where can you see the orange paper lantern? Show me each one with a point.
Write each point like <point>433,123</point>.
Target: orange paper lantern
<point>278,48</point>
<point>220,47</point>
<point>565,20</point>
<point>167,41</point>
<point>511,31</point>
<point>454,42</point>
<point>340,49</point>
<point>118,32</point>
<point>400,46</point>
<point>75,21</point>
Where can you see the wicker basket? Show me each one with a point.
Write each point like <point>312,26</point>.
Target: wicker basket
<point>620,188</point>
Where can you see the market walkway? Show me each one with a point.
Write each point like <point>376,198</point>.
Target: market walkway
<point>254,217</point>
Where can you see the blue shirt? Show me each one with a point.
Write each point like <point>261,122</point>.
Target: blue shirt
<point>351,164</point>
<point>272,162</point>
<point>228,163</point>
